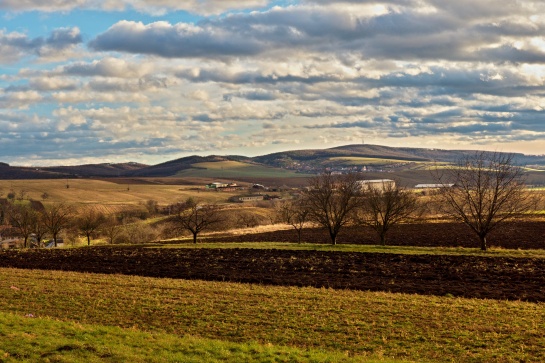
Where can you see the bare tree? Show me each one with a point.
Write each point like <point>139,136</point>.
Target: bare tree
<point>89,221</point>
<point>112,229</point>
<point>152,206</point>
<point>333,200</point>
<point>386,205</point>
<point>57,217</point>
<point>484,190</point>
<point>39,229</point>
<point>294,212</point>
<point>196,217</point>
<point>23,218</point>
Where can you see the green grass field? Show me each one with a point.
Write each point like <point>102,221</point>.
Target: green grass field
<point>235,169</point>
<point>370,161</point>
<point>363,325</point>
<point>30,339</point>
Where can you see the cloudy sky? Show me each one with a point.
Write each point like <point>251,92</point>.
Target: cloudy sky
<point>152,80</point>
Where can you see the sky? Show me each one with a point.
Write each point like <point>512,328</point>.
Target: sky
<point>89,81</point>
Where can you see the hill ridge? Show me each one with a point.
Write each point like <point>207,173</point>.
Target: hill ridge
<point>303,161</point>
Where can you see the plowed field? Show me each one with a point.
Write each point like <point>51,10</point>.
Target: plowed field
<point>467,276</point>
<point>513,235</point>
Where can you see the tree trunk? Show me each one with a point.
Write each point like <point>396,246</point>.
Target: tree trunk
<point>194,237</point>
<point>483,243</point>
<point>26,239</point>
<point>299,235</point>
<point>55,239</point>
<point>88,240</point>
<point>383,238</point>
<point>333,236</point>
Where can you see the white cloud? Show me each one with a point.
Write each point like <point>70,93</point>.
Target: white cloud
<point>15,45</point>
<point>156,7</point>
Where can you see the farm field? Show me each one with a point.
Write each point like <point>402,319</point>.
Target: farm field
<point>361,324</point>
<point>106,193</point>
<point>354,160</point>
<point>513,278</point>
<point>516,235</point>
<point>236,170</point>
<point>429,296</point>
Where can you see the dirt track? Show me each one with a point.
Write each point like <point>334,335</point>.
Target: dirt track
<point>467,276</point>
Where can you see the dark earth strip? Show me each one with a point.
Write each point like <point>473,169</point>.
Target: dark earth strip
<point>512,235</point>
<point>465,276</point>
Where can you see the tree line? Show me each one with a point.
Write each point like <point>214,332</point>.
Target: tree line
<point>482,191</point>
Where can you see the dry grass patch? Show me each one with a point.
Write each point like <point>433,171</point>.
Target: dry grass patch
<point>107,194</point>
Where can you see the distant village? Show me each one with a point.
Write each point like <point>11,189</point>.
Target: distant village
<point>315,168</point>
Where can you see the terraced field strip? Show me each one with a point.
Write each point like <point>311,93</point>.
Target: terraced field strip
<point>370,324</point>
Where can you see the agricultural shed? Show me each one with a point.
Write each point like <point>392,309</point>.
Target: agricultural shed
<point>379,184</point>
<point>248,198</point>
<point>433,186</point>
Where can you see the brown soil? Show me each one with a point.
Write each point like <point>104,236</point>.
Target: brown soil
<point>513,235</point>
<point>467,276</point>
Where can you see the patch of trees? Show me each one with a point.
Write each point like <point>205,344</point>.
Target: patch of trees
<point>482,190</point>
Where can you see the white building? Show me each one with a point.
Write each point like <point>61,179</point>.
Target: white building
<point>376,184</point>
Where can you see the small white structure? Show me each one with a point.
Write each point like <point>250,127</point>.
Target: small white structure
<point>433,186</point>
<point>250,198</point>
<point>216,185</point>
<point>379,184</point>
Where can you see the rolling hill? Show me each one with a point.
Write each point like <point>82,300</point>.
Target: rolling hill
<point>407,164</point>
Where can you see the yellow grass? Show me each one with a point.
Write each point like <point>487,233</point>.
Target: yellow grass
<point>106,194</point>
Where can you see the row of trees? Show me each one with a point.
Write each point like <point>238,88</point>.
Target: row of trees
<point>333,201</point>
<point>39,221</point>
<point>482,191</point>
<point>33,221</point>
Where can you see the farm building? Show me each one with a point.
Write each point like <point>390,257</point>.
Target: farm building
<point>247,198</point>
<point>216,185</point>
<point>376,183</point>
<point>433,186</point>
<point>223,187</point>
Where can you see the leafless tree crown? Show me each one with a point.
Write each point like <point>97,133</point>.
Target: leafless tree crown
<point>483,190</point>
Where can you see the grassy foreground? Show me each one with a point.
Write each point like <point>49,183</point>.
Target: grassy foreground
<point>361,324</point>
<point>28,339</point>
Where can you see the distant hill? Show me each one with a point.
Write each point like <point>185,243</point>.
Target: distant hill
<point>381,152</point>
<point>96,170</point>
<point>408,164</point>
<point>61,172</point>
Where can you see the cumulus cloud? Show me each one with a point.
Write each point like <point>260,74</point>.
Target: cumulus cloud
<point>180,40</point>
<point>15,45</point>
<point>108,67</point>
<point>307,72</point>
<point>407,33</point>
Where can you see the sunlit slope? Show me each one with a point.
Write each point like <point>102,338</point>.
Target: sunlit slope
<point>99,192</point>
<point>230,169</point>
